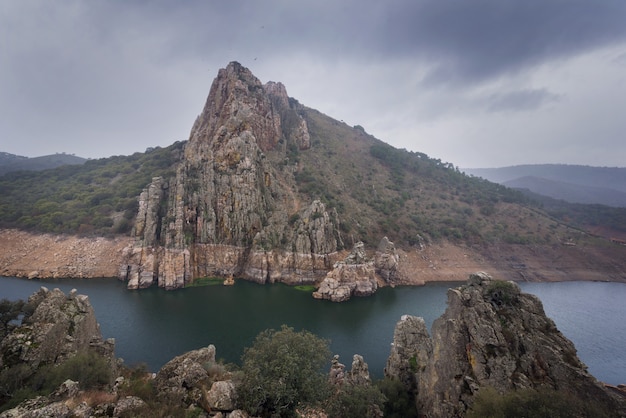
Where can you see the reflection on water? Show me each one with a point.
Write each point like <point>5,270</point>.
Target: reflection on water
<point>152,325</point>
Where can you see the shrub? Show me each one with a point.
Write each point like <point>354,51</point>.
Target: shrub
<point>282,371</point>
<point>356,401</point>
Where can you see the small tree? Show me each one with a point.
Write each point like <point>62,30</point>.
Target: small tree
<point>282,371</point>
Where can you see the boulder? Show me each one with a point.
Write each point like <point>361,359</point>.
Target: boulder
<point>221,396</point>
<point>185,378</point>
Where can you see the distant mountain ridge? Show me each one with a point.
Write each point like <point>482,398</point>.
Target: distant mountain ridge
<point>572,183</point>
<point>11,162</point>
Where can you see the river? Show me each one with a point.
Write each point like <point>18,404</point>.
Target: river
<point>152,325</point>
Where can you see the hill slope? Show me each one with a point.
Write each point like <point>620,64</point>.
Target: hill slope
<point>270,190</point>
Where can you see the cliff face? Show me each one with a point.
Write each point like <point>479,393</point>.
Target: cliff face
<point>491,335</point>
<point>229,210</point>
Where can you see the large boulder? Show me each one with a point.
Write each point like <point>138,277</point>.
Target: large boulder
<point>192,379</point>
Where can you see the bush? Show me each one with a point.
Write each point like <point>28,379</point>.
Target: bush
<point>356,401</point>
<point>282,371</point>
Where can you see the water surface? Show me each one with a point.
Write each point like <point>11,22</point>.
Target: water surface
<point>153,325</point>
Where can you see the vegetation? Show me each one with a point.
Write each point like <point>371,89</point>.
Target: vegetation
<point>540,403</point>
<point>283,370</point>
<point>98,197</point>
<point>379,190</point>
<point>206,281</point>
<point>20,382</point>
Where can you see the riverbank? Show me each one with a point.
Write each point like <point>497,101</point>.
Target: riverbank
<point>23,254</point>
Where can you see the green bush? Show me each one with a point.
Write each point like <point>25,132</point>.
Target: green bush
<point>283,370</point>
<point>356,401</point>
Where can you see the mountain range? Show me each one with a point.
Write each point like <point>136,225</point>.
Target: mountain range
<point>269,190</point>
<point>11,162</point>
<point>571,183</point>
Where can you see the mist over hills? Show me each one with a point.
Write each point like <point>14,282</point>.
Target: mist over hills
<point>571,183</point>
<point>11,162</point>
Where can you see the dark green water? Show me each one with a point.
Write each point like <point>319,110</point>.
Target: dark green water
<point>152,326</point>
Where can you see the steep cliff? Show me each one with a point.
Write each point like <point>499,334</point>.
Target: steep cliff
<point>230,210</point>
<point>491,335</point>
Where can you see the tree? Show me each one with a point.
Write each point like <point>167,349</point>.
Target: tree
<point>283,370</point>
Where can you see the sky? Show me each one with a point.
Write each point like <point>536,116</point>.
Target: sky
<point>477,83</point>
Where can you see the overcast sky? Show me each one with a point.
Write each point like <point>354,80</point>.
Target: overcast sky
<point>478,83</point>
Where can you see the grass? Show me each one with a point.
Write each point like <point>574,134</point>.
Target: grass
<point>305,288</point>
<point>206,281</point>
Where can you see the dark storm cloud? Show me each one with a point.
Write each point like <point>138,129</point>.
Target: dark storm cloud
<point>461,41</point>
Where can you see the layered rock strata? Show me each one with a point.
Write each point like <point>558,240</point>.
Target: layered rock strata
<point>491,334</point>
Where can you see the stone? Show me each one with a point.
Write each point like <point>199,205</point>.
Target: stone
<point>128,404</point>
<point>221,396</point>
<point>386,261</point>
<point>491,334</point>
<point>355,276</point>
<point>337,372</point>
<point>359,372</point>
<point>184,377</point>
<point>60,327</point>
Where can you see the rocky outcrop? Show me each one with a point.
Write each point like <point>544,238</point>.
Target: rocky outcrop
<point>228,210</point>
<point>491,335</point>
<point>60,327</point>
<point>354,276</point>
<point>386,261</point>
<point>358,374</point>
<point>358,275</point>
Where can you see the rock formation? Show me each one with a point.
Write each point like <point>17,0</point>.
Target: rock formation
<point>491,335</point>
<point>60,327</point>
<point>229,210</point>
<point>357,275</point>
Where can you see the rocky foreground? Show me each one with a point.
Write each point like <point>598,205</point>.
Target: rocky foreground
<point>491,336</point>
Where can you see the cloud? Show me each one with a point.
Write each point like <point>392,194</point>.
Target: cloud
<point>459,80</point>
<point>521,100</point>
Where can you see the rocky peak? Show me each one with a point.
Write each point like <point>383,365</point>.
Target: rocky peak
<point>237,103</point>
<point>229,210</point>
<point>491,335</point>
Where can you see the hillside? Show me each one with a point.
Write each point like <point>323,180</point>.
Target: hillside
<point>270,190</point>
<point>11,162</point>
